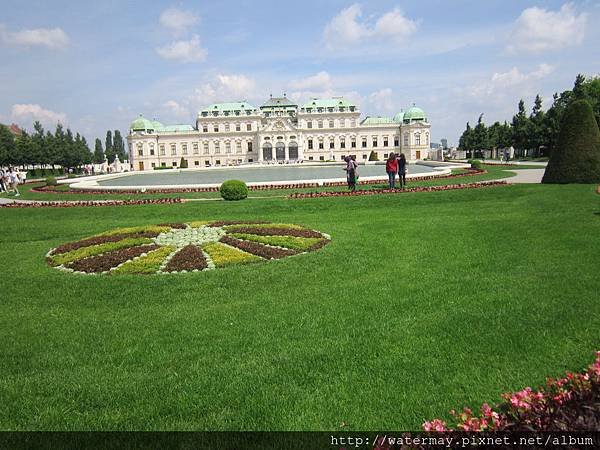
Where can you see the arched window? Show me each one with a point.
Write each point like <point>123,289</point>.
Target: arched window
<point>267,151</point>
<point>405,139</point>
<point>417,138</point>
<point>293,149</point>
<point>280,151</point>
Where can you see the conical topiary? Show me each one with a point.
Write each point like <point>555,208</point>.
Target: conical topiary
<point>576,157</point>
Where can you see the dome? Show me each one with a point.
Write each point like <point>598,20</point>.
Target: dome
<point>141,124</point>
<point>415,113</point>
<point>399,117</point>
<point>157,125</point>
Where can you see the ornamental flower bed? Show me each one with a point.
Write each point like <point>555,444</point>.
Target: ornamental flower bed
<point>184,247</point>
<point>571,403</point>
<point>448,187</point>
<point>73,204</point>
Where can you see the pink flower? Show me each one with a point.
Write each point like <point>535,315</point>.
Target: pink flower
<point>435,425</point>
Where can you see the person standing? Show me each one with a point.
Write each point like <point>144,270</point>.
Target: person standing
<point>402,170</point>
<point>3,187</point>
<point>350,173</point>
<point>391,167</point>
<point>14,181</point>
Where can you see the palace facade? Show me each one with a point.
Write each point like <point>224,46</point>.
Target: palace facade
<point>278,131</point>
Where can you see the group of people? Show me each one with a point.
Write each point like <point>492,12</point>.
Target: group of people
<point>396,166</point>
<point>10,179</point>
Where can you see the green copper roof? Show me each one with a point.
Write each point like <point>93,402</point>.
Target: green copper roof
<point>414,113</point>
<point>328,103</point>
<point>231,106</point>
<point>399,117</point>
<point>377,121</point>
<point>175,128</point>
<point>157,124</point>
<point>275,102</point>
<point>141,124</point>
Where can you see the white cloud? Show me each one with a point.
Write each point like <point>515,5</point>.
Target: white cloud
<point>346,28</point>
<point>176,109</point>
<point>232,87</point>
<point>177,20</point>
<point>319,81</point>
<point>52,38</point>
<point>515,76</point>
<point>382,101</point>
<point>184,51</point>
<point>26,114</point>
<point>538,30</point>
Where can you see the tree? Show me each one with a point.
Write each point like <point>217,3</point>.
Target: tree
<point>119,146</point>
<point>86,153</point>
<point>183,164</point>
<point>98,152</point>
<point>7,146</point>
<point>520,128</point>
<point>467,138</point>
<point>536,126</point>
<point>109,151</point>
<point>578,87</point>
<point>23,149</point>
<point>576,158</point>
<point>480,136</point>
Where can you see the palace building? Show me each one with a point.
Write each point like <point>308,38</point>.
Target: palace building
<point>278,131</point>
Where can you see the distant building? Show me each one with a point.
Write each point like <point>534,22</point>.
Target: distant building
<point>279,131</point>
<point>14,129</point>
<point>444,142</point>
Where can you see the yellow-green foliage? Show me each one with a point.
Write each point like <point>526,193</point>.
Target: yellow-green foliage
<point>223,255</point>
<point>197,223</point>
<point>293,242</point>
<point>93,250</point>
<point>146,264</point>
<point>140,229</point>
<point>264,225</point>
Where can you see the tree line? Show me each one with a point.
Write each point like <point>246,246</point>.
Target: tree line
<point>61,148</point>
<point>534,134</point>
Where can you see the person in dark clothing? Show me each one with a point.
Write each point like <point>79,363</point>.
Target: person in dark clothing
<point>350,173</point>
<point>401,161</point>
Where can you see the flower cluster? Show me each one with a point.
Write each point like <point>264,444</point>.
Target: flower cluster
<point>447,187</point>
<point>568,403</point>
<point>72,204</point>
<point>184,247</point>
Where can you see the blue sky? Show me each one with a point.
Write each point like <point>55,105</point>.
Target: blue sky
<point>97,65</point>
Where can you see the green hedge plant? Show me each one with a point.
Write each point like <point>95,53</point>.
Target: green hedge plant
<point>233,190</point>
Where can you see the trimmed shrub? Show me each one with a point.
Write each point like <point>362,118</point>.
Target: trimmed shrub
<point>475,164</point>
<point>234,190</point>
<point>51,181</point>
<point>576,157</point>
<point>373,156</point>
<point>183,164</point>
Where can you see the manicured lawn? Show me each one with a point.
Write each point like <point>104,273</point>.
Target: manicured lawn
<point>420,304</point>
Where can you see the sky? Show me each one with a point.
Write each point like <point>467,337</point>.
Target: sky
<point>94,66</point>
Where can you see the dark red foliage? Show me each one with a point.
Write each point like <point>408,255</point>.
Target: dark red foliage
<point>188,258</point>
<point>220,223</point>
<point>73,204</point>
<point>265,231</point>
<point>101,240</point>
<point>318,245</point>
<point>257,249</point>
<point>180,226</point>
<point>102,263</point>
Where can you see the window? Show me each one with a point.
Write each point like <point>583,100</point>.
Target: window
<point>173,150</point>
<point>195,147</point>
<point>364,143</point>
<point>227,147</point>
<point>320,123</point>
<point>364,156</point>
<point>374,142</point>
<point>417,139</point>
<point>342,123</point>
<point>151,149</point>
<point>217,148</point>
<point>321,158</point>
<point>353,143</point>
<point>309,124</point>
<point>226,127</point>
<point>385,155</point>
<point>331,124</point>
<point>342,143</point>
<point>353,123</point>
<point>205,128</point>
<point>196,163</point>
<point>217,162</point>
<point>310,144</point>
<point>216,128</point>
<point>207,163</point>
<point>250,160</point>
<point>161,149</point>
<point>153,165</point>
<point>396,141</point>
<point>140,149</point>
<point>249,147</point>
<point>385,141</point>
<point>248,127</point>
<point>331,144</point>
<point>320,145</point>
<point>206,148</point>
<point>184,149</point>
<point>163,164</point>
<point>310,158</point>
<point>174,164</point>
<point>406,139</point>
<point>238,147</point>
<point>426,138</point>
<point>238,127</point>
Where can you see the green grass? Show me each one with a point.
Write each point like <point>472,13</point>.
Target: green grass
<point>494,173</point>
<point>421,303</point>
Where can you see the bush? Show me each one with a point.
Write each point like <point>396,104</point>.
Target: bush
<point>51,181</point>
<point>373,156</point>
<point>183,164</point>
<point>576,157</point>
<point>475,164</point>
<point>234,190</point>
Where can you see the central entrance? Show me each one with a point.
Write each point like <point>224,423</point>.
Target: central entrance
<point>267,151</point>
<point>280,151</point>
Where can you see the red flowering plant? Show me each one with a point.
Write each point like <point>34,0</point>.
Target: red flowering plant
<point>571,403</point>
